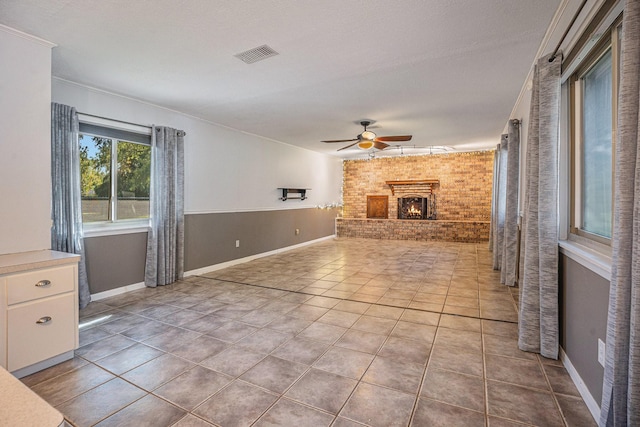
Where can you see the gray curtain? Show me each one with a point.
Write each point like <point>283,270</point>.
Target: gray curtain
<point>494,198</point>
<point>510,240</point>
<point>621,387</point>
<point>499,195</point>
<point>538,316</point>
<point>165,242</point>
<point>66,208</point>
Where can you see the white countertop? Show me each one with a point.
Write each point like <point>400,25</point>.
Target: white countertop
<point>23,261</point>
<point>21,407</point>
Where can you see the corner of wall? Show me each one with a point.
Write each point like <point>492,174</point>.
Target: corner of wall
<point>26,167</point>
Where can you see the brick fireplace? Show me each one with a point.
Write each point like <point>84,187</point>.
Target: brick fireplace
<point>460,182</point>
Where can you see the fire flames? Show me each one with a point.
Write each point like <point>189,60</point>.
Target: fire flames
<point>413,211</point>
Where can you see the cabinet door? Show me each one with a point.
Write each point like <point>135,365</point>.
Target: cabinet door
<point>40,329</point>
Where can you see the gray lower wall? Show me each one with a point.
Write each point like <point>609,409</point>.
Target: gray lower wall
<point>211,238</point>
<point>116,261</point>
<point>584,298</point>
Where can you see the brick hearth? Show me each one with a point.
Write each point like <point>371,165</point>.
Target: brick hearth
<point>398,229</point>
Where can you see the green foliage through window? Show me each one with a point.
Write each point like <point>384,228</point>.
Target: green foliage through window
<point>115,179</point>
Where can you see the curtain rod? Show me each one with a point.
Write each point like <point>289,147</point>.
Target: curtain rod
<point>113,120</point>
<point>573,21</point>
<point>120,121</point>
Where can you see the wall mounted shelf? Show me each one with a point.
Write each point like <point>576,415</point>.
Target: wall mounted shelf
<point>286,191</point>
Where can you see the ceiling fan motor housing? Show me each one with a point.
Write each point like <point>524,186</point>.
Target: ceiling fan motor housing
<point>366,135</point>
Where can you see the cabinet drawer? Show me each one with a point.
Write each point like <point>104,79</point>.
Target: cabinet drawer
<point>29,342</point>
<point>40,283</point>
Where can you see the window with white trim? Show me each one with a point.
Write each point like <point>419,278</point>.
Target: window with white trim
<point>593,97</point>
<point>115,175</point>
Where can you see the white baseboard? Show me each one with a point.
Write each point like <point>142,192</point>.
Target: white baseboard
<point>210,268</point>
<point>116,291</point>
<point>591,403</point>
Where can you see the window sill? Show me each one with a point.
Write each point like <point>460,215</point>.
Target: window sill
<point>589,258</point>
<point>113,229</point>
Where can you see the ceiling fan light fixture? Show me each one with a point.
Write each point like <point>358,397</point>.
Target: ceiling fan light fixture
<point>368,140</point>
<point>368,135</point>
<point>365,145</point>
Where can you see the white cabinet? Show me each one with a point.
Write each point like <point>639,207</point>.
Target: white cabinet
<point>38,310</point>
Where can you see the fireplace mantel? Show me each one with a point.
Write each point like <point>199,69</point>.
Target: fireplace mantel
<point>423,184</point>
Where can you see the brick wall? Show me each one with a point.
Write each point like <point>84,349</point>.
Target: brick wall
<point>464,192</point>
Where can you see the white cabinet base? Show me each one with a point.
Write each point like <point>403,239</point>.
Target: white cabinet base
<point>43,364</point>
<point>38,310</point>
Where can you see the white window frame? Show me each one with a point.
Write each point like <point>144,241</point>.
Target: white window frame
<point>572,114</point>
<point>126,226</point>
<point>589,253</point>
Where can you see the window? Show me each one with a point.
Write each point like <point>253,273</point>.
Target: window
<point>115,174</point>
<point>594,97</point>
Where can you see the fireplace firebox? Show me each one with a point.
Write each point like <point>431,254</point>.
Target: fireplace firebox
<point>417,207</point>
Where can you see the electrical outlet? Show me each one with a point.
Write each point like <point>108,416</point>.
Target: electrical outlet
<point>601,351</point>
<point>237,243</point>
<point>297,231</point>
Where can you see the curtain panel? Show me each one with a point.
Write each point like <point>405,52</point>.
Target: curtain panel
<point>165,241</point>
<point>538,323</point>
<point>494,198</point>
<point>66,204</point>
<point>510,241</point>
<point>621,386</point>
<point>500,194</point>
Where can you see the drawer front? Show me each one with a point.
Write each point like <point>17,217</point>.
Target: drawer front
<point>40,330</point>
<point>40,283</point>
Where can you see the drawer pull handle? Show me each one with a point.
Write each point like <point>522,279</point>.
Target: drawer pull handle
<point>43,320</point>
<point>43,283</point>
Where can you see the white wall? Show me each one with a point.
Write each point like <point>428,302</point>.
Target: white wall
<point>225,170</point>
<point>25,153</point>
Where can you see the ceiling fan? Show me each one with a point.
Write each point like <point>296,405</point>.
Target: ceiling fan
<point>368,139</point>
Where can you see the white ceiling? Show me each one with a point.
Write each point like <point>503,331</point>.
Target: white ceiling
<point>446,71</point>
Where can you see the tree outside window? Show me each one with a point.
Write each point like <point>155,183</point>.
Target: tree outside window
<point>115,179</point>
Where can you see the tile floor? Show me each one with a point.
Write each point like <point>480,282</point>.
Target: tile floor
<point>342,333</point>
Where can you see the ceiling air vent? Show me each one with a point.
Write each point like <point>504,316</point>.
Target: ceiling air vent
<point>256,54</point>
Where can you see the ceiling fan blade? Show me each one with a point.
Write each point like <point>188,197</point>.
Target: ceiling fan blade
<point>348,146</point>
<point>340,140</point>
<point>380,145</point>
<point>397,138</point>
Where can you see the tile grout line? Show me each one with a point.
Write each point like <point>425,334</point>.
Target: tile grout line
<point>282,395</point>
<point>373,303</point>
<point>424,375</point>
<point>363,374</point>
<point>553,393</point>
<point>485,380</point>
